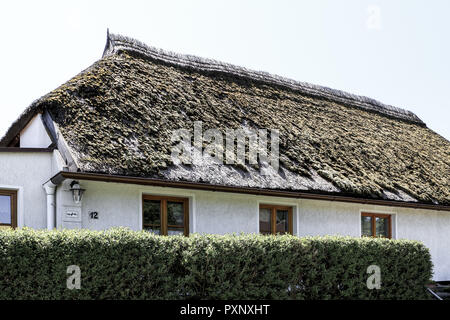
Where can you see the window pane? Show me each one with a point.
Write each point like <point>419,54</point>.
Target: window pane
<point>153,229</point>
<point>152,212</point>
<point>5,209</point>
<point>382,227</point>
<point>366,226</point>
<point>175,231</point>
<point>264,221</point>
<point>175,213</point>
<point>152,216</point>
<point>282,222</point>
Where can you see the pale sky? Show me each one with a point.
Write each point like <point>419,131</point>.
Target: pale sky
<point>397,52</point>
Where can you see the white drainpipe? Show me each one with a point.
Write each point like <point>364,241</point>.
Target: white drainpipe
<point>50,189</point>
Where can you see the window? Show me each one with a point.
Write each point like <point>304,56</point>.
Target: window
<point>275,219</point>
<point>166,215</point>
<point>376,225</point>
<point>8,209</point>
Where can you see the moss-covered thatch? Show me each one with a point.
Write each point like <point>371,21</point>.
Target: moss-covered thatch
<point>118,117</point>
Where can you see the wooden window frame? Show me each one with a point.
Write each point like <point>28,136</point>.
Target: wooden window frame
<point>273,217</point>
<point>163,214</point>
<point>13,196</point>
<point>374,228</point>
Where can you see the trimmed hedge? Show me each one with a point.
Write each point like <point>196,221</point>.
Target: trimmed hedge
<point>123,264</point>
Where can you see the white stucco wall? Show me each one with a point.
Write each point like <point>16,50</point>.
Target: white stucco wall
<point>428,226</point>
<point>26,172</point>
<point>34,134</point>
<point>221,213</point>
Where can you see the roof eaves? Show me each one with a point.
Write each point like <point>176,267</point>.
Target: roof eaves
<point>62,175</point>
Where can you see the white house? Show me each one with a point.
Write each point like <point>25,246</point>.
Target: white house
<point>97,153</point>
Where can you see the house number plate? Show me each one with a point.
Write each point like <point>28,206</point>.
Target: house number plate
<point>93,215</point>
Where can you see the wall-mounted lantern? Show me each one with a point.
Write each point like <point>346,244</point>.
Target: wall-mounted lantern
<point>77,192</point>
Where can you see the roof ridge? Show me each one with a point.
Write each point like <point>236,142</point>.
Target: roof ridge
<point>116,43</point>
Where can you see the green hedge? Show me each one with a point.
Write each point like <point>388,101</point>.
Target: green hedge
<point>123,264</point>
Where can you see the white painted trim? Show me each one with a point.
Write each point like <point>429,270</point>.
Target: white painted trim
<point>257,216</point>
<point>390,211</point>
<point>20,207</point>
<point>161,191</point>
<point>359,224</point>
<point>298,217</point>
<point>20,204</point>
<point>394,222</point>
<point>140,193</point>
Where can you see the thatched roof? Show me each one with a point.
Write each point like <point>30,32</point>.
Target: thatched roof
<point>117,117</point>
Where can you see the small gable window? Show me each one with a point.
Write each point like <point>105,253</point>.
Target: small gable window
<point>8,209</point>
<point>376,225</point>
<point>166,215</point>
<point>275,219</point>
